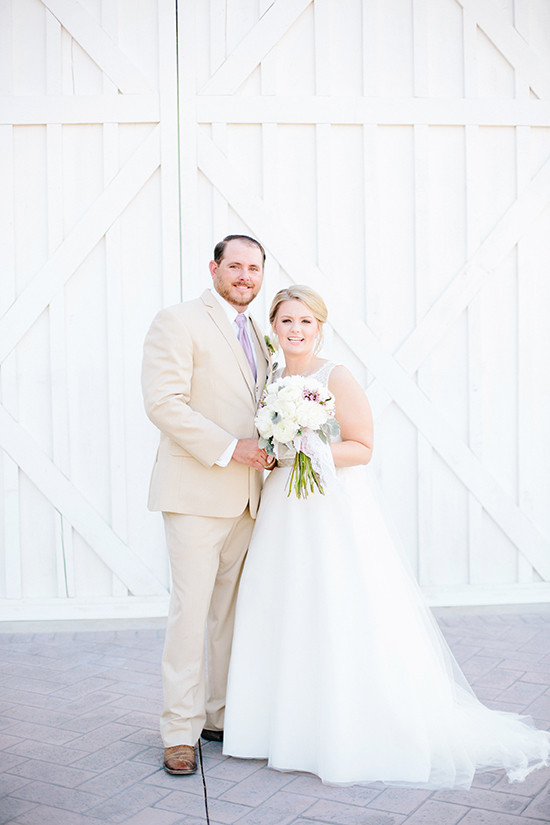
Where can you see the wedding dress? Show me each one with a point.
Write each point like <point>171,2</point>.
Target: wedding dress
<point>338,667</point>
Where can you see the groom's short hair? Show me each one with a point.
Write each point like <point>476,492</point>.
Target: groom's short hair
<point>219,249</point>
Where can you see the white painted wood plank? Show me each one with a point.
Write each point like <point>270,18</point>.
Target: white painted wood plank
<point>68,500</point>
<point>363,110</point>
<point>477,569</point>
<point>59,108</point>
<point>67,610</point>
<point>411,400</point>
<point>253,47</point>
<point>10,549</point>
<point>420,48</point>
<point>527,474</point>
<point>371,44</point>
<point>373,251</point>
<point>510,43</point>
<point>76,246</point>
<point>323,161</point>
<point>425,493</point>
<point>169,166</point>
<point>217,30</point>
<point>472,183</point>
<point>56,314</point>
<point>114,324</point>
<point>477,271</point>
<point>322,55</point>
<point>188,135</point>
<point>487,595</point>
<point>219,218</point>
<point>101,48</point>
<point>324,197</point>
<point>270,162</point>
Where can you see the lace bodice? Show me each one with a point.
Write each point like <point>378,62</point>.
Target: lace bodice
<point>322,374</point>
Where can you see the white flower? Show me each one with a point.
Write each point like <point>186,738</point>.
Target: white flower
<point>312,415</point>
<point>264,422</point>
<point>287,408</point>
<point>284,430</point>
<point>293,410</point>
<point>291,393</point>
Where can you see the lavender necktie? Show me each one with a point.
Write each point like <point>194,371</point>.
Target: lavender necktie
<point>246,344</point>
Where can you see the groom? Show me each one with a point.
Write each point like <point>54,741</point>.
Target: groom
<point>204,366</point>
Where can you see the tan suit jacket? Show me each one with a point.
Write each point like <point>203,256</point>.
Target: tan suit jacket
<point>199,391</point>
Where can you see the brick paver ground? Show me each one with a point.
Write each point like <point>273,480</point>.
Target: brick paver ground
<point>79,742</point>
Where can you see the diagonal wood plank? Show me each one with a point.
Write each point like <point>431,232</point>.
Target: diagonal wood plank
<point>78,244</point>
<point>510,43</point>
<point>267,225</point>
<point>64,496</point>
<point>254,46</point>
<point>481,266</point>
<point>99,46</point>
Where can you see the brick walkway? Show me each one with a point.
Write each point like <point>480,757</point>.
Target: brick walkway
<point>79,741</point>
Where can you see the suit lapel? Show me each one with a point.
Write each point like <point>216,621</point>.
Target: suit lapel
<point>220,319</point>
<point>262,355</point>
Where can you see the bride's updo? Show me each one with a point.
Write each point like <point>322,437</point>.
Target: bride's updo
<point>308,296</point>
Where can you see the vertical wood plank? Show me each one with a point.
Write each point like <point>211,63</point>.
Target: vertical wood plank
<point>10,552</point>
<point>169,166</point>
<point>323,195</point>
<point>526,471</point>
<point>56,312</point>
<point>274,278</point>
<point>114,323</point>
<point>188,162</point>
<point>424,547</point>
<point>218,51</point>
<point>424,494</point>
<point>475,434</point>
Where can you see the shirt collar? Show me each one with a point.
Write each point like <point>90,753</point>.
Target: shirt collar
<point>230,311</point>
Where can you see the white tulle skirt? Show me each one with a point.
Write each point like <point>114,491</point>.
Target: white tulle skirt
<point>338,667</point>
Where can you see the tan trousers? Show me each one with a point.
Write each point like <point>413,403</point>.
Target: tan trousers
<point>206,559</point>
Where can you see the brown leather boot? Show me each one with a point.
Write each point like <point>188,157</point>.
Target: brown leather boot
<point>180,759</point>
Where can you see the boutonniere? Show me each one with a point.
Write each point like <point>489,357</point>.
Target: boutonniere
<point>271,350</point>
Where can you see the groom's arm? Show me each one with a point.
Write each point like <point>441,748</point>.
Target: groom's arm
<point>166,376</point>
<point>167,373</point>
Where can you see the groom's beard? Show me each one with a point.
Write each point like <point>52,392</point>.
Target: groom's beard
<point>234,296</point>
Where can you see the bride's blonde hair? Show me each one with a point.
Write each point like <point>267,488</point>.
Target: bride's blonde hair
<point>311,299</point>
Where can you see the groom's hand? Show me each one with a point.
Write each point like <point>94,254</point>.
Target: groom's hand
<point>247,452</point>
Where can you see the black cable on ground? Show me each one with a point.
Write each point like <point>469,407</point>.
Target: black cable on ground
<point>203,783</point>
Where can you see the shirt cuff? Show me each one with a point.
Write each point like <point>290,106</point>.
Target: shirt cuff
<point>227,454</point>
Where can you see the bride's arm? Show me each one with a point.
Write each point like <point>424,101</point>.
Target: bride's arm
<point>354,416</point>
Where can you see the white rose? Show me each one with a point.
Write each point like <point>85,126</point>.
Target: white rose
<point>286,408</point>
<point>312,415</point>
<point>292,392</point>
<point>264,422</point>
<point>284,431</point>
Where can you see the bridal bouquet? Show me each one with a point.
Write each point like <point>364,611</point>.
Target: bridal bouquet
<point>298,412</point>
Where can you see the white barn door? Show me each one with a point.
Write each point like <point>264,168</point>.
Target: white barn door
<point>396,156</point>
<point>88,158</point>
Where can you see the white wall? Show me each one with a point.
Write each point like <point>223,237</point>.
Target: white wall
<point>393,154</point>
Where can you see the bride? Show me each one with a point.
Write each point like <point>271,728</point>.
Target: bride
<point>338,667</point>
